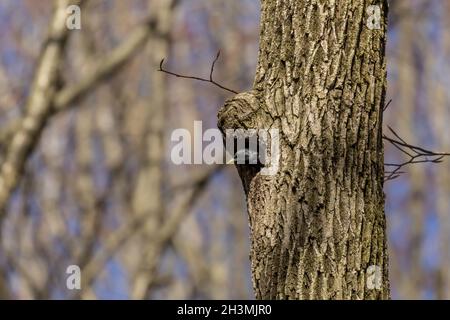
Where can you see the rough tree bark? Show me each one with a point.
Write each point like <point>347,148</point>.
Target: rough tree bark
<point>318,224</point>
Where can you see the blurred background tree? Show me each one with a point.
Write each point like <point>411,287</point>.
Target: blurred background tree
<point>97,188</point>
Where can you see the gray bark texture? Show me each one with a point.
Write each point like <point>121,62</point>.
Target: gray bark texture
<point>319,223</point>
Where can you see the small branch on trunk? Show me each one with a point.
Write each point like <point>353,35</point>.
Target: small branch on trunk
<point>415,155</point>
<point>210,80</point>
<point>387,105</point>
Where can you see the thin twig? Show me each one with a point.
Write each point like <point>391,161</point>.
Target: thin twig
<point>210,80</point>
<point>387,105</point>
<point>415,155</point>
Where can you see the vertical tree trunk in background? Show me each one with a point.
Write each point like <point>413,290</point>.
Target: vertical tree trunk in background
<point>147,197</point>
<point>409,85</point>
<point>440,115</point>
<point>318,224</point>
<point>38,105</point>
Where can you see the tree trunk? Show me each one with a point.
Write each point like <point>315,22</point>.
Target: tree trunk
<point>318,227</point>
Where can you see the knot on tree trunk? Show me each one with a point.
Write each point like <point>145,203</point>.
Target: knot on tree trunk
<point>241,112</point>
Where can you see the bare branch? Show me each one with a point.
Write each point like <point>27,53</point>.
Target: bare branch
<point>120,237</point>
<point>45,101</point>
<point>210,80</point>
<point>106,66</point>
<point>415,155</point>
<point>387,105</point>
<point>38,106</point>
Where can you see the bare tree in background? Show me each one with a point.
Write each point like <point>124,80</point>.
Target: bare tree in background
<point>86,179</point>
